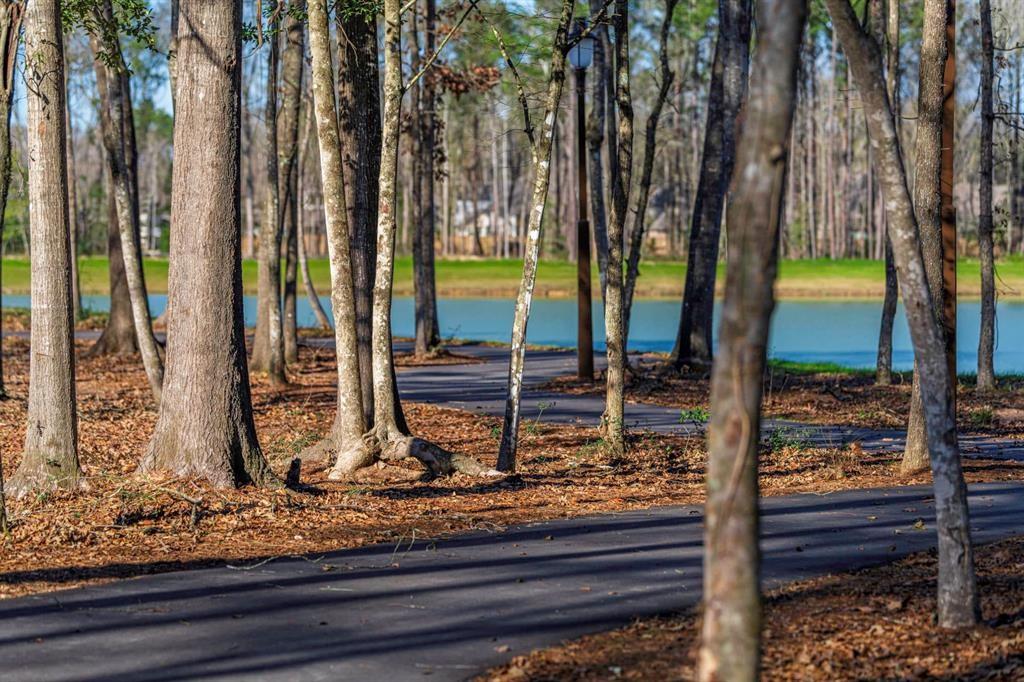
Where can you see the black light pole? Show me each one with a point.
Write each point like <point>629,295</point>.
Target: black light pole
<point>580,56</point>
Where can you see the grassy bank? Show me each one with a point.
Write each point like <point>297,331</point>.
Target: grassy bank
<point>855,279</point>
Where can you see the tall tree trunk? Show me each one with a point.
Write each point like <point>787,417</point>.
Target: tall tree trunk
<point>268,342</point>
<point>1015,234</point>
<point>115,100</point>
<point>10,25</point>
<point>731,629</point>
<point>614,418</point>
<point>344,443</point>
<point>540,151</point>
<point>636,241</point>
<point>118,336</point>
<point>76,288</point>
<point>300,222</point>
<point>428,335</point>
<point>287,164</point>
<point>727,90</point>
<point>595,143</point>
<point>883,371</point>
<point>927,205</point>
<point>986,339</point>
<point>205,427</point>
<point>957,590</point>
<point>249,191</point>
<point>50,459</point>
<point>360,114</point>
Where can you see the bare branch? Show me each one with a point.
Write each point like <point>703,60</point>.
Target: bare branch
<point>430,61</point>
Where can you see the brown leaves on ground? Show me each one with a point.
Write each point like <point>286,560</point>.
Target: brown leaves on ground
<point>851,399</point>
<point>126,525</point>
<point>872,624</point>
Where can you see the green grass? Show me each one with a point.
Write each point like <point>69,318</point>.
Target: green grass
<point>808,279</point>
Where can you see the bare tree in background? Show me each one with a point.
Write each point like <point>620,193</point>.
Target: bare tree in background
<point>292,67</point>
<point>883,364</point>
<point>268,340</point>
<point>205,427</point>
<point>50,458</point>
<point>957,591</point>
<point>540,151</point>
<point>986,339</point>
<point>731,627</point>
<point>727,90</point>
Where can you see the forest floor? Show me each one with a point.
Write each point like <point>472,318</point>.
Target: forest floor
<point>124,525</point>
<point>489,277</point>
<point>817,395</point>
<point>871,624</point>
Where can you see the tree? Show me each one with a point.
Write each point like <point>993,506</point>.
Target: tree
<point>428,336</point>
<point>360,121</point>
<point>928,206</point>
<point>115,99</point>
<point>731,628</point>
<point>986,339</point>
<point>636,239</point>
<point>595,141</point>
<point>268,342</point>
<point>615,337</point>
<point>287,150</point>
<point>883,365</point>
<point>957,590</point>
<point>11,12</point>
<point>50,458</point>
<point>345,440</point>
<point>540,151</point>
<point>205,426</point>
<point>300,171</point>
<point>727,89</point>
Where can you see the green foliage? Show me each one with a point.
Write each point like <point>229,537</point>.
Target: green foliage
<point>131,18</point>
<point>697,415</point>
<point>785,437</point>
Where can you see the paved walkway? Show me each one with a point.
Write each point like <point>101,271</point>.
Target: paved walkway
<point>449,609</point>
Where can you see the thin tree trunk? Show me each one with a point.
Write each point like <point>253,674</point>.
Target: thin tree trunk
<point>287,163</point>
<point>927,205</point>
<point>883,371</point>
<point>614,418</point>
<point>249,196</point>
<point>76,288</point>
<point>300,223</point>
<point>728,87</point>
<point>595,143</point>
<point>731,628</point>
<point>50,458</point>
<point>986,339</point>
<point>636,244</point>
<point>268,342</point>
<point>428,335</point>
<point>205,427</point>
<point>118,336</point>
<point>344,443</point>
<point>957,591</point>
<point>10,24</point>
<point>540,149</point>
<point>115,100</point>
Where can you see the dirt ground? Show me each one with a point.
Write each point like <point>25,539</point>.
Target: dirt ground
<point>126,525</point>
<point>873,624</point>
<point>825,397</point>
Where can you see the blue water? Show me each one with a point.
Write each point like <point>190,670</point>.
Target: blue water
<point>843,332</point>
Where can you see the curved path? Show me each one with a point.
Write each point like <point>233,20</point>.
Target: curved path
<point>445,610</point>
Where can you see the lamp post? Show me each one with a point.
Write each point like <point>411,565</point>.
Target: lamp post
<point>580,57</point>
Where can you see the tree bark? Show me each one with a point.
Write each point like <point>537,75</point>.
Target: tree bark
<point>731,628</point>
<point>10,26</point>
<point>428,335</point>
<point>727,90</point>
<point>636,241</point>
<point>927,204</point>
<point>986,339</point>
<point>115,100</point>
<point>300,223</point>
<point>883,372</point>
<point>957,591</point>
<point>268,341</point>
<point>595,143</point>
<point>360,120</point>
<point>540,149</point>
<point>345,442</point>
<point>614,418</point>
<point>50,458</point>
<point>76,288</point>
<point>205,427</point>
<point>288,153</point>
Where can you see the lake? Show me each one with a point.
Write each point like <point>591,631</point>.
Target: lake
<point>844,332</point>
